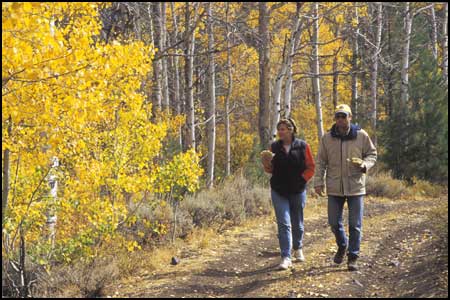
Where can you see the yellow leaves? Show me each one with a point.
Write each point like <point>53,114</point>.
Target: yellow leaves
<point>182,172</point>
<point>132,245</point>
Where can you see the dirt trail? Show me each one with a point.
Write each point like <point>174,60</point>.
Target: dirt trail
<point>403,255</point>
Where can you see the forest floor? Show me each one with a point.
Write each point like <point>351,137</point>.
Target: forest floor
<point>404,253</point>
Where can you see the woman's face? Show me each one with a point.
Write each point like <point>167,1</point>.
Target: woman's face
<point>284,133</point>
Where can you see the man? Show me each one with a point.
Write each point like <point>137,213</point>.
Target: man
<point>345,154</point>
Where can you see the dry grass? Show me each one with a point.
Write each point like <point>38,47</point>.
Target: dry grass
<point>81,279</point>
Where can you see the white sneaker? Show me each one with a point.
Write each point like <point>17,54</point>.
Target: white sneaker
<point>286,263</point>
<point>298,254</point>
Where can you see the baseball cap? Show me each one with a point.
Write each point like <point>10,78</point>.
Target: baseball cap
<point>343,108</point>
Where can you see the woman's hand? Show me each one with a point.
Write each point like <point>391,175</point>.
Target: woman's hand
<point>266,159</point>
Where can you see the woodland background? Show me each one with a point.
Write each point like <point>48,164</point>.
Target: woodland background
<point>114,114</point>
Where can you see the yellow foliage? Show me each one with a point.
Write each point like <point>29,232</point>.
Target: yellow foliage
<point>70,95</point>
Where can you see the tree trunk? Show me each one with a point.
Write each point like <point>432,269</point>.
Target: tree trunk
<point>315,70</point>
<point>24,280</point>
<point>53,196</point>
<point>434,38</point>
<point>189,69</point>
<point>374,71</point>
<point>157,67</point>
<point>355,66</point>
<point>286,72</point>
<point>335,80</point>
<point>227,99</point>
<point>295,40</point>
<point>211,107</point>
<point>288,92</point>
<point>445,44</point>
<point>405,62</point>
<point>276,97</point>
<point>164,75</point>
<point>264,73</point>
<point>176,76</point>
<point>6,173</point>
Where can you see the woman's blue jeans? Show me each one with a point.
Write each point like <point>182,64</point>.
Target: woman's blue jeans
<point>289,214</point>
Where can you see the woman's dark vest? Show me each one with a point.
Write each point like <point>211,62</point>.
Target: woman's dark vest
<point>288,168</point>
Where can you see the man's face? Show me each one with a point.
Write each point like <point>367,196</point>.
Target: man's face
<point>342,120</point>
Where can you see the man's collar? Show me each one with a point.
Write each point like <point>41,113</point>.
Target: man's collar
<point>339,133</point>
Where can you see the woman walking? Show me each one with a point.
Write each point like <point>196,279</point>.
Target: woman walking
<point>292,165</point>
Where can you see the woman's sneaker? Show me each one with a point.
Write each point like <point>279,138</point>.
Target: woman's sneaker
<point>298,254</point>
<point>285,264</point>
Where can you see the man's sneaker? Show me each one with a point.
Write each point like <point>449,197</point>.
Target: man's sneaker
<point>298,254</point>
<point>339,256</point>
<point>352,264</point>
<point>285,264</point>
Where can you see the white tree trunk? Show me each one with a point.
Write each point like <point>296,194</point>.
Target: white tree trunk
<point>286,72</point>
<point>52,180</point>
<point>374,71</point>
<point>211,107</point>
<point>276,97</point>
<point>405,62</point>
<point>189,70</point>
<point>316,70</point>
<point>288,93</point>
<point>434,39</point>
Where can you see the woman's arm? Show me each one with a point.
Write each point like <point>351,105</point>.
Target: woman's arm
<point>310,165</point>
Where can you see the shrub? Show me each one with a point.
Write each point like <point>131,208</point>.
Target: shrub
<point>383,185</point>
<point>426,188</point>
<point>234,201</point>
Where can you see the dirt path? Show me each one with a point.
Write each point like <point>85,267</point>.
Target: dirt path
<point>403,255</point>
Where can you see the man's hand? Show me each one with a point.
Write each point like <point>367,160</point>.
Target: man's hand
<point>320,190</point>
<point>358,162</point>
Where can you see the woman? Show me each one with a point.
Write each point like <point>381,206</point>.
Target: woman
<point>292,166</point>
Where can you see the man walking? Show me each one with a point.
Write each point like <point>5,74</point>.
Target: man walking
<point>345,154</point>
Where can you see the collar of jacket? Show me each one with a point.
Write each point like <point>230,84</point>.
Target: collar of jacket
<point>351,134</point>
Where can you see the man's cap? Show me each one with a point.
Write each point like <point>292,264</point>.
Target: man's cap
<point>343,108</point>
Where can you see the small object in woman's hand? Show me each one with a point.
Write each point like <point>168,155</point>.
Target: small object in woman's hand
<point>266,157</point>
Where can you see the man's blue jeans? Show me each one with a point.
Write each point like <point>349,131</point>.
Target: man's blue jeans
<point>289,214</point>
<point>355,214</point>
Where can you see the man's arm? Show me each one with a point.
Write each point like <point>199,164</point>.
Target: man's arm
<point>322,163</point>
<point>369,153</point>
